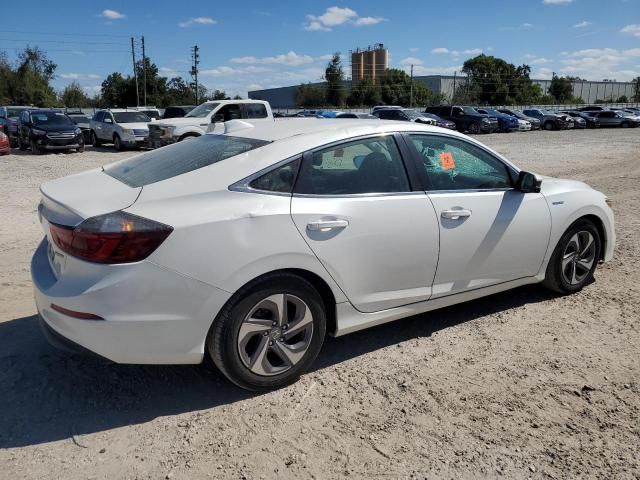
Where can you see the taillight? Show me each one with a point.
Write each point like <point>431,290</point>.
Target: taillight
<point>117,237</point>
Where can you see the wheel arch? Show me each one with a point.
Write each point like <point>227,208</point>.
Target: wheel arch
<point>321,286</point>
<point>189,134</point>
<point>597,221</point>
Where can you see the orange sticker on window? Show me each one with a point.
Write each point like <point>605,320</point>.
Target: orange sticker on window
<point>446,161</point>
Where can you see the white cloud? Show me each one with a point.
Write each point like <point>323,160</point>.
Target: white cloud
<point>79,76</point>
<point>411,61</point>
<point>538,61</point>
<point>325,58</point>
<point>363,21</point>
<point>599,63</point>
<point>290,59</point>
<point>633,29</point>
<point>112,15</point>
<point>197,21</point>
<point>422,70</point>
<point>556,2</point>
<point>472,51</point>
<point>440,50</point>
<point>582,24</point>
<point>336,16</point>
<point>526,25</point>
<point>414,49</point>
<point>542,74</point>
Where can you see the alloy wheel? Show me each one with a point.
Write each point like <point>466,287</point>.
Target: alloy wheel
<point>275,335</point>
<point>578,257</point>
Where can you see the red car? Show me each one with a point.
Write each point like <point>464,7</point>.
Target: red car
<point>5,147</point>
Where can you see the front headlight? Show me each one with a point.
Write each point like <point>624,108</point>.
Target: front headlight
<point>78,131</point>
<point>486,120</point>
<point>37,131</point>
<point>127,131</point>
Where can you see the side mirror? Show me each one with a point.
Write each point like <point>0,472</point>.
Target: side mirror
<point>108,120</point>
<point>218,117</point>
<point>528,183</point>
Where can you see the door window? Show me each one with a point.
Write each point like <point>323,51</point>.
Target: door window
<point>453,164</point>
<point>278,180</point>
<point>256,110</point>
<point>230,112</point>
<point>369,165</point>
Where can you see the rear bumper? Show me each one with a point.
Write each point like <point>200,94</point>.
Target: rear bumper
<point>151,315</point>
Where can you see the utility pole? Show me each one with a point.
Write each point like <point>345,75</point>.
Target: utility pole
<point>135,72</point>
<point>144,74</point>
<point>195,59</point>
<point>453,94</point>
<point>411,89</point>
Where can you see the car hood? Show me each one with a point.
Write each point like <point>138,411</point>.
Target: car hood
<point>551,185</point>
<point>136,125</point>
<point>178,122</point>
<point>56,128</point>
<point>85,195</point>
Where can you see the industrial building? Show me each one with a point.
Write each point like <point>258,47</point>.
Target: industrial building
<point>284,97</point>
<point>369,64</point>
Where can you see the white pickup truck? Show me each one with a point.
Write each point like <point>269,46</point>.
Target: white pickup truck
<point>207,117</point>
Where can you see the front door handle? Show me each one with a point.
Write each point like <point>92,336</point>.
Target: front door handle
<point>455,213</point>
<point>320,225</point>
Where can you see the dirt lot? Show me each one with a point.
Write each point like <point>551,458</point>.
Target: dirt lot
<point>522,384</point>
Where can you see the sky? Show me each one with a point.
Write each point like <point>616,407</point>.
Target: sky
<point>250,44</point>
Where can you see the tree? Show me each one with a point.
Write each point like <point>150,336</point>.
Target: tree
<point>309,96</point>
<point>364,93</point>
<point>395,89</point>
<point>334,76</point>
<point>636,89</point>
<point>118,91</point>
<point>74,96</point>
<point>561,88</point>
<point>493,81</point>
<point>219,95</point>
<point>31,81</point>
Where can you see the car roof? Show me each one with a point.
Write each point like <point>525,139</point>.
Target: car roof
<point>327,128</point>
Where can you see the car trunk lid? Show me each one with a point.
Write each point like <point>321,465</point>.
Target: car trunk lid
<point>70,200</point>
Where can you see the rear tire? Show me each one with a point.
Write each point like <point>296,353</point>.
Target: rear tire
<point>625,124</point>
<point>574,259</point>
<point>259,349</point>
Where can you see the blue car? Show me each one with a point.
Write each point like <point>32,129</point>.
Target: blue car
<point>506,123</point>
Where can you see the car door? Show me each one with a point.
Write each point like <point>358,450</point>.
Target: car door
<point>489,232</point>
<point>374,233</point>
<point>106,130</point>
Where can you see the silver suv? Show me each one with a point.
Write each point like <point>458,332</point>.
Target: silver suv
<point>123,128</point>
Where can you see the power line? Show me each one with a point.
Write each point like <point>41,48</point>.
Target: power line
<point>64,34</point>
<point>59,41</point>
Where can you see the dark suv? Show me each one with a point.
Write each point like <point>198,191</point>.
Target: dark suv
<point>466,118</point>
<point>548,120</point>
<point>403,114</point>
<point>43,130</point>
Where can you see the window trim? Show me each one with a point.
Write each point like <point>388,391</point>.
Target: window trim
<point>244,185</point>
<point>512,170</point>
<point>404,160</point>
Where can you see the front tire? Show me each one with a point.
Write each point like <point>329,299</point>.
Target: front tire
<point>474,128</point>
<point>574,259</point>
<point>95,141</point>
<point>548,125</point>
<point>269,333</point>
<point>117,143</point>
<point>21,145</point>
<point>35,149</point>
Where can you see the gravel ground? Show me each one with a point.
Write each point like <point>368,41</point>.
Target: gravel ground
<point>522,384</point>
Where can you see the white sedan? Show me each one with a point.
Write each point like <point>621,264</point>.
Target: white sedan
<point>251,245</point>
<point>523,125</point>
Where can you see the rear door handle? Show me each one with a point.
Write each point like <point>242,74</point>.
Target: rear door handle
<point>320,225</point>
<point>455,213</point>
